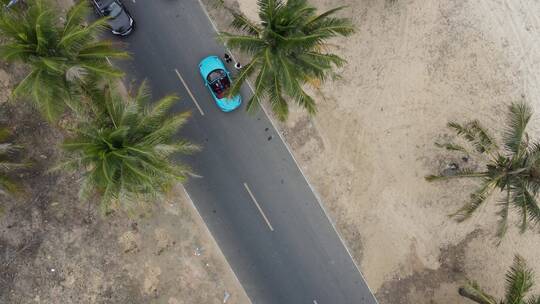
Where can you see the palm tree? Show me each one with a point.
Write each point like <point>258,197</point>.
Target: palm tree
<point>288,50</point>
<point>124,149</point>
<point>519,281</point>
<point>59,53</point>
<point>514,169</point>
<point>7,185</point>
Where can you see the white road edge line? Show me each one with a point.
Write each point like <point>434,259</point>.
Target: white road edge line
<point>189,91</point>
<point>295,161</point>
<point>213,239</point>
<point>109,61</point>
<point>258,207</point>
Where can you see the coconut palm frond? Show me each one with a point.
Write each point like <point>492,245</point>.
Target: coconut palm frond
<point>323,16</point>
<point>8,166</point>
<point>519,281</point>
<point>249,45</point>
<point>475,134</point>
<point>100,51</point>
<point>126,147</point>
<point>473,292</point>
<point>285,46</point>
<point>502,224</point>
<point>241,22</point>
<point>76,16</point>
<point>477,198</point>
<point>458,174</point>
<point>515,135</point>
<point>261,87</point>
<point>527,205</point>
<point>8,148</point>
<point>304,100</point>
<point>184,147</point>
<point>329,27</point>
<point>484,140</point>
<point>277,101</point>
<point>514,169</point>
<point>269,8</point>
<point>452,147</point>
<point>242,76</point>
<point>48,92</point>
<point>61,55</point>
<point>533,151</point>
<point>318,66</point>
<point>7,186</point>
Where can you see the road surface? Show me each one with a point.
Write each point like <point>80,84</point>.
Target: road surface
<point>251,194</point>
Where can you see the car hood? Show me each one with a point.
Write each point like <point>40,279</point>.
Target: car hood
<point>209,64</point>
<point>121,23</point>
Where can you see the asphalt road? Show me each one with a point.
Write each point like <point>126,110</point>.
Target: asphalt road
<point>277,239</point>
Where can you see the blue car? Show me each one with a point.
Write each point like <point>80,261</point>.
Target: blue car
<point>217,79</point>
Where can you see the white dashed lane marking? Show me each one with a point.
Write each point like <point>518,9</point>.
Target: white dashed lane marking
<point>258,207</point>
<point>189,92</point>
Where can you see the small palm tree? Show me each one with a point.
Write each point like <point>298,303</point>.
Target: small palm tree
<point>125,148</point>
<point>514,169</point>
<point>59,53</point>
<point>288,50</point>
<point>519,281</point>
<point>7,185</point>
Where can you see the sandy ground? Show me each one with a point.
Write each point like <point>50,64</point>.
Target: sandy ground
<point>57,249</point>
<point>412,66</point>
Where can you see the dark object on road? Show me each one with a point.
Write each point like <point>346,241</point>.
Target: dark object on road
<point>120,20</point>
<point>227,58</point>
<point>238,66</point>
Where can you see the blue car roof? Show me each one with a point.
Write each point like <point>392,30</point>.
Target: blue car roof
<point>209,64</point>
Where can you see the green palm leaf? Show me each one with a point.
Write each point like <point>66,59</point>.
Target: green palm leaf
<point>514,169</point>
<point>125,149</point>
<point>286,51</point>
<point>7,165</point>
<point>477,199</point>
<point>520,114</point>
<point>53,50</point>
<point>519,281</point>
<point>473,292</point>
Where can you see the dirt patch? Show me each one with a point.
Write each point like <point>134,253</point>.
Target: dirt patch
<point>422,283</point>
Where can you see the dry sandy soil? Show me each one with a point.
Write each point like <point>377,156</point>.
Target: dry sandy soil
<point>412,66</point>
<point>56,249</point>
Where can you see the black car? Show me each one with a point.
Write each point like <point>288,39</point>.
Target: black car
<point>120,20</point>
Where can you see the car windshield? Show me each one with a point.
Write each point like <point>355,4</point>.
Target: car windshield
<point>112,10</point>
<point>216,74</point>
<point>219,82</point>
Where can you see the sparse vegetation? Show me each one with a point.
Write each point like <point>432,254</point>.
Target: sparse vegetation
<point>7,164</point>
<point>514,168</point>
<point>124,148</point>
<point>519,281</point>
